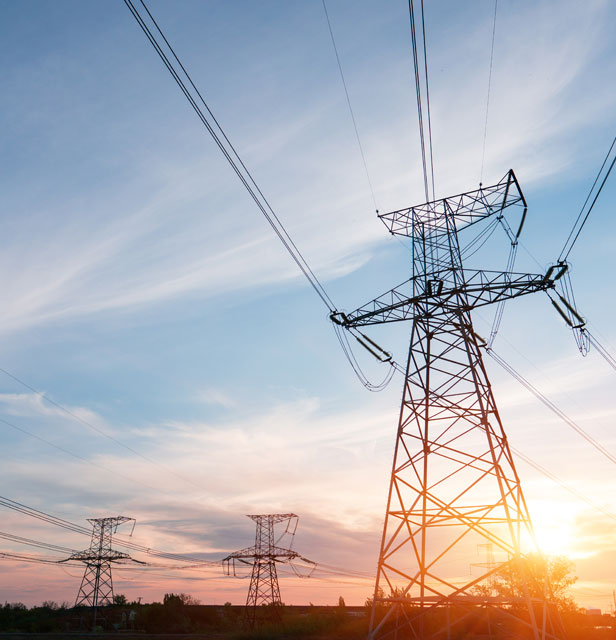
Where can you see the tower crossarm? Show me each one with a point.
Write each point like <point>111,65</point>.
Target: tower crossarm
<point>253,552</point>
<point>274,518</point>
<point>443,293</point>
<point>92,557</point>
<point>113,521</point>
<point>464,209</point>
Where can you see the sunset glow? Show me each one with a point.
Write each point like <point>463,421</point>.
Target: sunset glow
<point>161,356</point>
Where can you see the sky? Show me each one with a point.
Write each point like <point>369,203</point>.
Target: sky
<point>142,290</point>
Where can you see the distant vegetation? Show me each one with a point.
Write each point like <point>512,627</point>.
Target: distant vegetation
<point>183,614</point>
<point>538,570</point>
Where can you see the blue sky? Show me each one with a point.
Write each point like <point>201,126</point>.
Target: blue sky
<point>142,289</point>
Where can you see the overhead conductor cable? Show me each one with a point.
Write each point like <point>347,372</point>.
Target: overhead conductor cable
<point>224,144</point>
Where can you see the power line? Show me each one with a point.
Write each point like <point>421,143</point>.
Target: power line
<point>425,57</point>
<point>233,158</point>
<point>601,350</point>
<point>52,547</point>
<point>346,92</point>
<point>146,570</point>
<point>41,515</point>
<point>225,146</point>
<point>550,405</point>
<point>577,226</point>
<point>246,178</point>
<point>500,307</point>
<point>198,564</point>
<point>417,74</point>
<point>343,571</point>
<point>485,127</point>
<point>76,528</point>
<point>397,367</point>
<point>602,336</point>
<point>88,424</point>
<point>341,335</point>
<point>96,464</point>
<point>89,461</point>
<point>62,563</point>
<point>564,485</point>
<point>34,543</point>
<point>230,153</point>
<point>74,455</point>
<point>421,123</point>
<point>561,414</point>
<point>34,559</point>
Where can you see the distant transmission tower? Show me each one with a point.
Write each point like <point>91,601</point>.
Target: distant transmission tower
<point>454,484</point>
<point>96,588</point>
<point>490,563</point>
<point>263,601</point>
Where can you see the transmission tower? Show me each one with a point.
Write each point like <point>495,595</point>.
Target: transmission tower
<point>489,564</point>
<point>263,601</point>
<point>96,588</point>
<point>454,483</point>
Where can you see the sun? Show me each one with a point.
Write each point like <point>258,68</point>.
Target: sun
<point>554,530</point>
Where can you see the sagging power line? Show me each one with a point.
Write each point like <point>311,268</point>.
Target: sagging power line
<point>552,407</point>
<point>191,562</point>
<point>422,86</point>
<point>118,540</point>
<point>184,81</point>
<point>348,99</point>
<point>43,396</point>
<point>584,214</point>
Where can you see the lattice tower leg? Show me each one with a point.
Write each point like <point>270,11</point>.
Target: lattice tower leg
<point>88,588</point>
<point>263,601</point>
<point>453,485</point>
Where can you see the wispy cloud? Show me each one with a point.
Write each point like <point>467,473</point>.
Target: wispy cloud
<point>159,218</point>
<point>140,255</point>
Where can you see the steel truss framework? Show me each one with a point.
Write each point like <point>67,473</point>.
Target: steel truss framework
<point>96,588</point>
<point>263,600</point>
<point>454,483</point>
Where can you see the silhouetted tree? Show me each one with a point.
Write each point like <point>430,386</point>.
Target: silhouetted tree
<point>543,575</point>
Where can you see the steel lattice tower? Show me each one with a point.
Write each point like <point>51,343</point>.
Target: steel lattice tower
<point>96,588</point>
<point>454,483</point>
<point>264,590</point>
